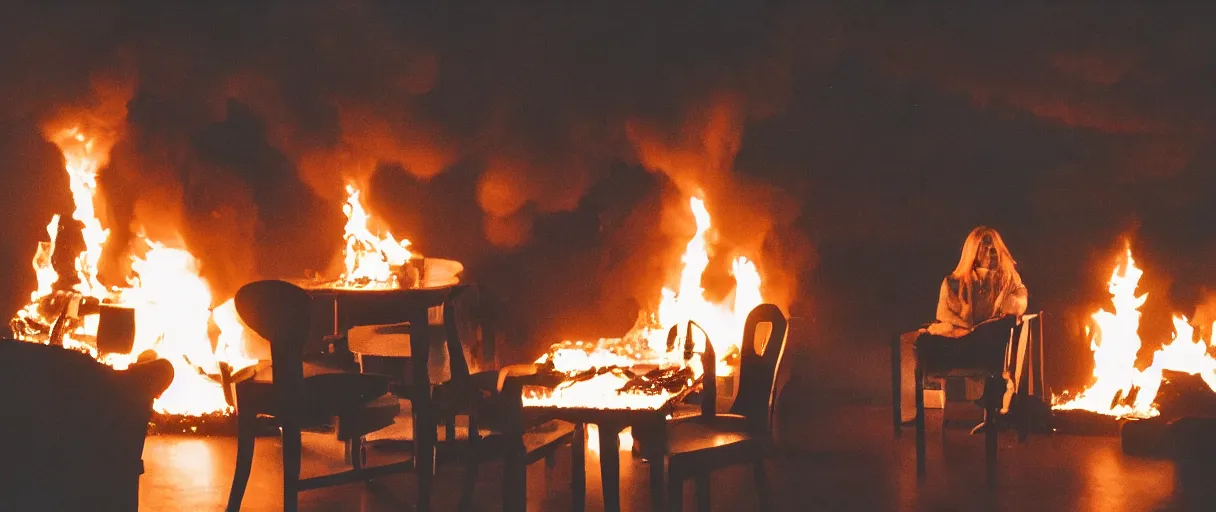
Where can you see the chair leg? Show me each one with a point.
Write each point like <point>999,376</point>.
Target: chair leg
<point>291,466</point>
<point>991,411</point>
<point>703,491</point>
<point>471,466</point>
<point>245,436</point>
<point>515,468</point>
<point>920,420</point>
<point>675,492</point>
<point>762,488</point>
<point>356,453</point>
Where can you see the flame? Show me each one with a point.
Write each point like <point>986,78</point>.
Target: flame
<point>83,157</point>
<point>171,300</point>
<point>371,259</point>
<point>645,345</point>
<point>1119,389</point>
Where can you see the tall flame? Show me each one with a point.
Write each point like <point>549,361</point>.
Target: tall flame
<point>645,343</point>
<point>171,301</point>
<point>370,259</point>
<point>83,157</point>
<point>1119,389</point>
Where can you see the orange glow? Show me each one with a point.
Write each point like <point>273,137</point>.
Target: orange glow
<point>646,343</point>
<point>372,260</point>
<point>1115,344</point>
<point>172,302</point>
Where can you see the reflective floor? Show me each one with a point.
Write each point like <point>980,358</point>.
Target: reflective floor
<point>840,459</point>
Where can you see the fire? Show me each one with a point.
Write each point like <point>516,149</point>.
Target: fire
<point>1119,389</point>
<point>644,347</point>
<point>171,302</point>
<point>84,156</point>
<point>372,261</point>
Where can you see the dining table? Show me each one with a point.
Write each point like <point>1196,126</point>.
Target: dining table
<point>649,424</point>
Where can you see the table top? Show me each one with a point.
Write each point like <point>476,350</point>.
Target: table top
<point>599,415</point>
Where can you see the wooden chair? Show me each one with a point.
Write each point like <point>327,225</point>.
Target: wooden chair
<point>297,395</point>
<point>700,444</point>
<point>1031,401</point>
<point>496,425</point>
<point>491,400</point>
<point>987,353</point>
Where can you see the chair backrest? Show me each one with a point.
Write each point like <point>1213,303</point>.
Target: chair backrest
<point>758,371</point>
<point>456,307</point>
<point>279,312</point>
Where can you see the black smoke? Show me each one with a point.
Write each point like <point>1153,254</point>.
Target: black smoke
<point>849,148</point>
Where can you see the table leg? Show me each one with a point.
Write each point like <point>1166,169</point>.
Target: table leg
<point>654,435</point>
<point>424,419</point>
<point>610,466</point>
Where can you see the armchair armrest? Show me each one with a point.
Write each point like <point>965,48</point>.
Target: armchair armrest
<point>515,370</point>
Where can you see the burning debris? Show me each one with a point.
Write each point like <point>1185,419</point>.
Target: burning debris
<point>644,369</point>
<point>1120,389</point>
<point>164,309</point>
<point>376,260</point>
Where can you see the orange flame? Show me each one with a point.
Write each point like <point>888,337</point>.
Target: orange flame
<point>1115,344</point>
<point>645,343</point>
<point>371,260</point>
<point>171,301</point>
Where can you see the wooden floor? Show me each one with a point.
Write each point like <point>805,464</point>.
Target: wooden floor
<point>840,459</point>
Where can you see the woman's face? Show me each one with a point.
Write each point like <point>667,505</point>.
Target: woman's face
<point>986,255</point>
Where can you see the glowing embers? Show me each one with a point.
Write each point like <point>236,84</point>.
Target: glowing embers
<point>645,369</point>
<point>1119,388</point>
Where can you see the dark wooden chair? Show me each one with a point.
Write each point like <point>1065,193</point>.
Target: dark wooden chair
<point>986,353</point>
<point>298,395</point>
<point>489,401</point>
<point>74,429</point>
<point>497,424</point>
<point>700,444</point>
<point>1031,401</point>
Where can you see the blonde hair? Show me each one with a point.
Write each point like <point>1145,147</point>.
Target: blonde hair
<point>1005,263</point>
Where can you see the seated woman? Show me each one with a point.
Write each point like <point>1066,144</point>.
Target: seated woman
<point>985,285</point>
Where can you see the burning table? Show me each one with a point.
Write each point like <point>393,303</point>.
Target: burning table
<point>596,396</point>
<point>164,308</point>
<point>637,380</point>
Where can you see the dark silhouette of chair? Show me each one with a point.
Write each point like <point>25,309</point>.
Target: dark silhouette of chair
<point>700,444</point>
<point>73,433</point>
<point>298,396</point>
<point>984,353</point>
<point>491,401</point>
<point>1030,401</point>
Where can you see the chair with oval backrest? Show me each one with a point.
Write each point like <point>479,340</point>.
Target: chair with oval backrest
<point>297,395</point>
<point>700,444</point>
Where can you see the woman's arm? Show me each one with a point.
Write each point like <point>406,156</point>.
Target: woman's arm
<point>949,323</point>
<point>1016,300</point>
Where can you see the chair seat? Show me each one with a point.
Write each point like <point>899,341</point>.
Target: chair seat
<point>697,433</point>
<point>327,392</point>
